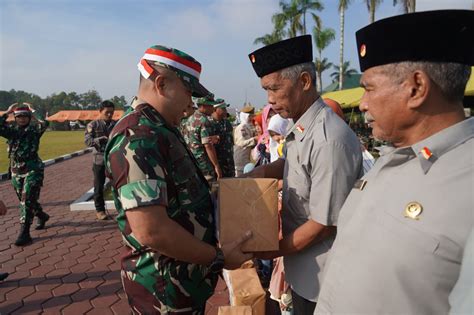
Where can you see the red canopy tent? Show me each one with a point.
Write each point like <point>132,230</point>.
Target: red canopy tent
<point>73,115</point>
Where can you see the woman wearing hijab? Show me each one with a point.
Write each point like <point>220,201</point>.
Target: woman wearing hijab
<point>244,139</point>
<point>277,132</point>
<point>261,152</point>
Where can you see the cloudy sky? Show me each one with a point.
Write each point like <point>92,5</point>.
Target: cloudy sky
<point>49,46</point>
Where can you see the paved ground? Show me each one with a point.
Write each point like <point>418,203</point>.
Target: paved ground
<point>72,267</point>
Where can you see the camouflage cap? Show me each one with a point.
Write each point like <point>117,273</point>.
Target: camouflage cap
<point>186,67</point>
<point>220,103</point>
<point>248,109</point>
<point>206,100</point>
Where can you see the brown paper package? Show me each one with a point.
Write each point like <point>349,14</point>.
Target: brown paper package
<point>249,204</point>
<point>234,310</point>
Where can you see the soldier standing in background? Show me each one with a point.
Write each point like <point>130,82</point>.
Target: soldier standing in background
<point>225,145</point>
<point>199,136</point>
<point>26,167</point>
<point>96,136</point>
<point>186,114</point>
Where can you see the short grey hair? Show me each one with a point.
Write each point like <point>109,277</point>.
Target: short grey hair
<point>293,72</point>
<point>450,77</point>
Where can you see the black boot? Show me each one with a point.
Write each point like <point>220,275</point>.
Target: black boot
<point>42,218</point>
<point>24,237</point>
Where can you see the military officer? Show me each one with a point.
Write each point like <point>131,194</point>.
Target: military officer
<point>199,136</point>
<point>26,167</point>
<point>405,224</point>
<point>322,160</point>
<point>225,143</point>
<point>96,136</point>
<point>165,209</point>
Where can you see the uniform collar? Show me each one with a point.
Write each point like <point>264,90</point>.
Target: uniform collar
<point>137,101</point>
<point>305,122</point>
<point>431,149</point>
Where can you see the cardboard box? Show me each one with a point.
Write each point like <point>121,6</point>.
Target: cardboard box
<point>234,310</point>
<point>249,204</point>
<point>245,289</point>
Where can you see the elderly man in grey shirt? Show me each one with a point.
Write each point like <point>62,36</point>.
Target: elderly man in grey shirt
<point>403,228</point>
<point>322,160</point>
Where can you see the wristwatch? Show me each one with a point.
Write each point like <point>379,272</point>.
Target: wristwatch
<point>217,264</point>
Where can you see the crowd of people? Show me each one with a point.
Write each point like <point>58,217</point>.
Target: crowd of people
<point>394,237</point>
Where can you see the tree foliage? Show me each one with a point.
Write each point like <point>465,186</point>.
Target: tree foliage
<point>58,101</point>
<point>346,71</point>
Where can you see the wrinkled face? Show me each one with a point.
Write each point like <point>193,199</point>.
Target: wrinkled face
<point>107,113</point>
<point>283,94</point>
<point>22,120</point>
<point>384,104</point>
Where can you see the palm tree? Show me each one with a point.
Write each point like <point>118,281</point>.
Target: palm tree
<point>372,6</point>
<point>307,5</point>
<point>322,37</point>
<point>267,39</point>
<point>321,66</point>
<point>408,5</point>
<point>346,72</point>
<point>290,16</point>
<point>343,4</point>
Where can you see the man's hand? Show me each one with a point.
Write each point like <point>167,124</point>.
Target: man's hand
<point>11,108</point>
<point>234,257</point>
<point>268,255</point>
<point>218,172</point>
<point>29,106</point>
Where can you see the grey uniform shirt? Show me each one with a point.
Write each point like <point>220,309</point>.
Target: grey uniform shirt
<point>461,298</point>
<point>384,262</point>
<point>95,130</point>
<point>323,160</point>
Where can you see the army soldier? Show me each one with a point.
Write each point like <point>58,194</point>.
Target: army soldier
<point>26,167</point>
<point>404,227</point>
<point>165,209</point>
<point>96,136</point>
<point>322,160</point>
<point>199,136</point>
<point>189,110</point>
<point>225,143</point>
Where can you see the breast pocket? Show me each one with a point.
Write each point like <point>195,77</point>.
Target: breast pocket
<point>404,233</point>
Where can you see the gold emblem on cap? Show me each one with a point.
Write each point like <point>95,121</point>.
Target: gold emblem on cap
<point>363,50</point>
<point>252,58</point>
<point>413,210</point>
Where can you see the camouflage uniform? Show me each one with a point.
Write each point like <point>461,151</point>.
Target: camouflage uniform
<point>26,167</point>
<point>149,164</point>
<point>198,131</point>
<point>225,147</point>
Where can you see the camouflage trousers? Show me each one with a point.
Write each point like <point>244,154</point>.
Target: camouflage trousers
<point>27,187</point>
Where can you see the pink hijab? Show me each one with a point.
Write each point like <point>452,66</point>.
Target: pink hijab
<point>266,111</point>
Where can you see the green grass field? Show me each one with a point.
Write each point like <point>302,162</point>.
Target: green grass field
<point>53,144</point>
